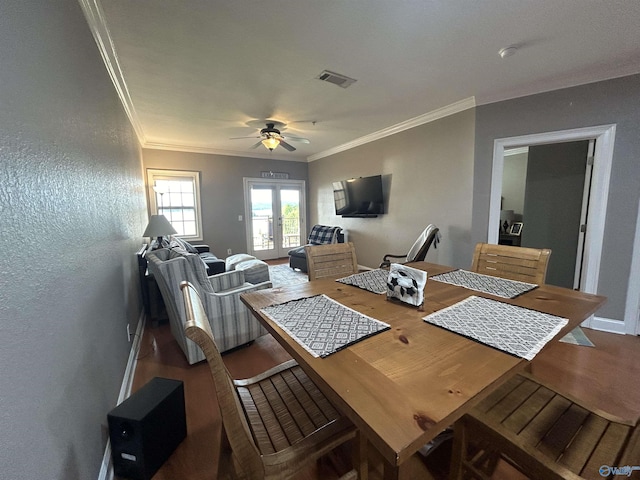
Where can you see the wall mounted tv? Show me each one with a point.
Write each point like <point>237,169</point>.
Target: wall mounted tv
<point>359,197</point>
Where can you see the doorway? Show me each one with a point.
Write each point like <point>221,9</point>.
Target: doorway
<point>545,189</point>
<point>604,137</point>
<point>274,210</point>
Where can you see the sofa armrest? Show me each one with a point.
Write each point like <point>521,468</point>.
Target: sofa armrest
<point>247,287</point>
<point>232,283</point>
<point>227,280</point>
<point>202,248</point>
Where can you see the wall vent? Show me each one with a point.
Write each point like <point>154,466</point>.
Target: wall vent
<point>335,78</point>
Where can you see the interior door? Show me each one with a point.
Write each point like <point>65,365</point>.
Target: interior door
<point>275,217</point>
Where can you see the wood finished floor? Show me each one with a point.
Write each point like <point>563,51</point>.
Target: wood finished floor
<point>605,376</point>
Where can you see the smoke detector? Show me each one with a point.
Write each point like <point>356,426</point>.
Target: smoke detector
<point>507,51</point>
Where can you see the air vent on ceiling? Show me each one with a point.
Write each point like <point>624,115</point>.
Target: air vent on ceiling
<point>335,78</point>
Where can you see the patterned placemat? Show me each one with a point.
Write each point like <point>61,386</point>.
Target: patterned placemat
<point>500,287</point>
<point>512,329</point>
<point>322,325</point>
<point>372,280</point>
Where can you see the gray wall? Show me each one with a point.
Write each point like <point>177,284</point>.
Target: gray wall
<point>427,177</point>
<point>221,189</point>
<point>72,211</point>
<point>553,205</point>
<point>609,102</point>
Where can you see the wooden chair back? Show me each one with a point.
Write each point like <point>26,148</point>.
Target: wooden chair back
<point>235,426</point>
<point>542,433</point>
<point>337,259</point>
<point>515,263</point>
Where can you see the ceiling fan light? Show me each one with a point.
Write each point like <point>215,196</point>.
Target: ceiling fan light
<point>271,142</point>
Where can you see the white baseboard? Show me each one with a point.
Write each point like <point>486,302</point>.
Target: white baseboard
<point>106,468</point>
<point>605,325</point>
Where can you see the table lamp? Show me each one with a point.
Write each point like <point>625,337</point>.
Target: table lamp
<point>158,227</point>
<point>506,219</point>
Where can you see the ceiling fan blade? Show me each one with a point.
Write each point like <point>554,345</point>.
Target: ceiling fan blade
<point>286,146</point>
<point>238,138</point>
<point>256,145</point>
<point>296,139</point>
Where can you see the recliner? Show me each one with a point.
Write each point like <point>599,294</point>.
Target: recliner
<point>319,235</point>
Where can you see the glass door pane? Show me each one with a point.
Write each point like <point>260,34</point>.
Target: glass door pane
<point>290,215</point>
<point>262,203</point>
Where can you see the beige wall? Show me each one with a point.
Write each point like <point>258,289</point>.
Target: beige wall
<point>428,178</point>
<point>514,180</point>
<point>221,189</point>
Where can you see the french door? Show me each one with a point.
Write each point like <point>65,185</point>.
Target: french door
<point>274,212</point>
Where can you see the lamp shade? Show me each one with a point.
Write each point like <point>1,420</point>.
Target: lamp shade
<point>158,226</point>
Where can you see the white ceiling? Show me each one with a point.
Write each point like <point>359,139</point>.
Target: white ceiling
<point>194,73</point>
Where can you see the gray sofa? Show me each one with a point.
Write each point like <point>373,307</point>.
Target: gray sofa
<point>214,264</point>
<point>231,322</point>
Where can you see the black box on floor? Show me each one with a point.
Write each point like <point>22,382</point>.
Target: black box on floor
<point>146,428</point>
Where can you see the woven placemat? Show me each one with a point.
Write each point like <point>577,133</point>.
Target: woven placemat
<point>500,287</point>
<point>372,280</point>
<point>516,330</point>
<point>322,325</point>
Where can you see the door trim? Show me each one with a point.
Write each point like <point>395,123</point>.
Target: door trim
<point>632,307</point>
<point>603,157</point>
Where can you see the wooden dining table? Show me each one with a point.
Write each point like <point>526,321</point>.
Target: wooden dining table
<point>405,385</point>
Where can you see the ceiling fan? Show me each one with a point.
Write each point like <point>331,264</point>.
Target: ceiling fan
<point>271,137</point>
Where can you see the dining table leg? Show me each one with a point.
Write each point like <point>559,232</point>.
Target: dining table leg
<point>413,468</point>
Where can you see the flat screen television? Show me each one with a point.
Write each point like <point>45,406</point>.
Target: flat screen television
<point>359,197</point>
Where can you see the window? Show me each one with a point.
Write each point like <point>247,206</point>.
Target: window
<point>176,195</point>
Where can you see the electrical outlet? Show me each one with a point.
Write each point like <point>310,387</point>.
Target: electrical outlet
<point>228,251</point>
<point>128,333</point>
<point>239,218</point>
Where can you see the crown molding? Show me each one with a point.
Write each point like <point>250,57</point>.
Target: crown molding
<point>432,116</point>
<point>98,26</point>
<point>215,151</point>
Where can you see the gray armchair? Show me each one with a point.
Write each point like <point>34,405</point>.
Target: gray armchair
<point>231,321</point>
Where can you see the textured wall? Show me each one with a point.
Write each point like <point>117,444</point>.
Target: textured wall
<point>222,190</point>
<point>72,210</point>
<point>427,177</point>
<point>602,103</point>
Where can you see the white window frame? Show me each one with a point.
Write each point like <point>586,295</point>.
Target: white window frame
<point>193,176</point>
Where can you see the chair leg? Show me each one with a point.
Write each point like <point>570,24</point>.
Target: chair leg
<point>226,469</point>
<point>359,456</point>
<point>469,460</point>
<point>458,451</point>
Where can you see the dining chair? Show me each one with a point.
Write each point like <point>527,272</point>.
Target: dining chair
<point>544,434</point>
<point>418,251</point>
<point>331,260</point>
<point>274,424</point>
<point>515,263</point>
